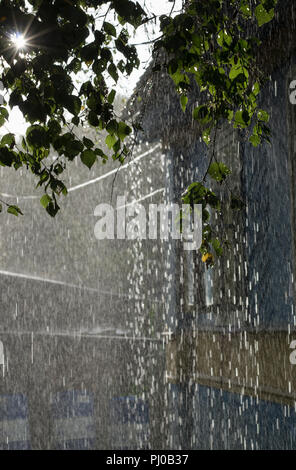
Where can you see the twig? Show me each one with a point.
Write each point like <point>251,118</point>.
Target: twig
<point>213,154</point>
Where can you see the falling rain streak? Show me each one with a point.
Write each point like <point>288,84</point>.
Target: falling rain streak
<point>138,344</point>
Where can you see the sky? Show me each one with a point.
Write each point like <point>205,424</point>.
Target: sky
<point>125,85</point>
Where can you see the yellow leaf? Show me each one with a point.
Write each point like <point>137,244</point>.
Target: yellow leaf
<point>207,257</point>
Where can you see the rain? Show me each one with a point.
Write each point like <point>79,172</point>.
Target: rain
<point>137,344</point>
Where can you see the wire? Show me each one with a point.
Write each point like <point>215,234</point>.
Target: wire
<point>99,178</point>
<point>95,180</point>
<point>142,198</point>
<point>67,284</point>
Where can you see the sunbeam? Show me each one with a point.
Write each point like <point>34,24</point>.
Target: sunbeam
<point>18,40</point>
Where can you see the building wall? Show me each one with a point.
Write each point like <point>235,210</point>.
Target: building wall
<point>267,186</point>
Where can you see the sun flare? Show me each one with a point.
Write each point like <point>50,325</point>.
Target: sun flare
<point>18,40</point>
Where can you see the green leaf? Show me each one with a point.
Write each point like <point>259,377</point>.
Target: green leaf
<point>230,115</point>
<point>4,113</point>
<point>109,28</point>
<point>75,120</point>
<point>8,139</point>
<point>6,157</point>
<point>58,169</point>
<point>224,39</point>
<point>73,148</point>
<point>245,9</point>
<point>45,200</point>
<point>15,98</point>
<point>88,158</point>
<point>52,208</point>
<point>110,140</point>
<point>87,142</point>
<point>93,119</point>
<point>89,52</point>
<point>205,216</point>
<point>263,115</point>
<point>206,136</point>
<point>37,137</point>
<point>74,66</point>
<point>112,127</point>
<point>256,88</point>
<point>194,194</point>
<point>113,72</point>
<point>237,70</point>
<point>123,130</point>
<point>54,128</point>
<point>263,16</point>
<point>94,102</point>
<point>241,119</point>
<point>58,186</point>
<point>216,244</point>
<point>218,171</point>
<point>183,101</point>
<point>73,104</point>
<point>202,114</point>
<point>15,210</point>
<point>111,96</point>
<point>255,140</point>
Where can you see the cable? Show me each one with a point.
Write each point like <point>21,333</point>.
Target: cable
<point>78,334</point>
<point>142,198</point>
<point>67,284</point>
<point>99,178</point>
<point>95,180</point>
